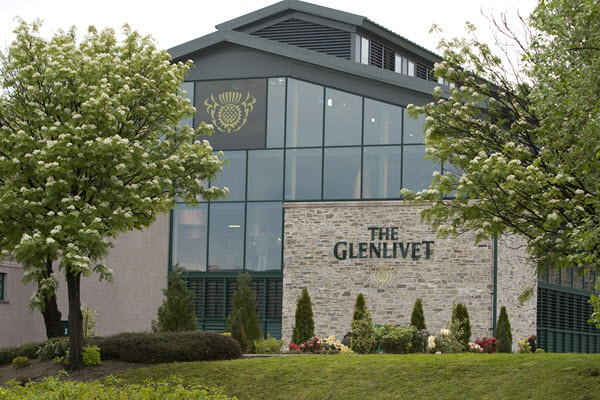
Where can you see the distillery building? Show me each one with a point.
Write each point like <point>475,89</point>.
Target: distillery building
<point>309,107</point>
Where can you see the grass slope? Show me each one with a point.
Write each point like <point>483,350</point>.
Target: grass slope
<point>445,376</point>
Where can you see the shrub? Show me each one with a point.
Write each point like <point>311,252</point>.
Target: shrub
<point>524,346</point>
<point>53,388</point>
<point>503,332</point>
<point>20,362</point>
<point>7,354</point>
<point>417,318</point>
<point>460,318</point>
<point>243,321</point>
<point>89,320</point>
<point>177,312</point>
<point>401,339</point>
<point>270,345</point>
<point>363,334</point>
<point>53,348</point>
<point>304,329</point>
<point>360,307</point>
<point>540,351</point>
<point>448,340</point>
<point>151,348</point>
<point>489,345</point>
<point>91,355</point>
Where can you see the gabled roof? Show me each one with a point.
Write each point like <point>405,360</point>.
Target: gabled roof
<point>329,13</point>
<point>300,54</point>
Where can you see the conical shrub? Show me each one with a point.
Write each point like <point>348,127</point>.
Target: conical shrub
<point>177,312</point>
<point>417,317</point>
<point>503,332</point>
<point>304,329</point>
<point>360,308</point>
<point>243,321</point>
<point>460,319</point>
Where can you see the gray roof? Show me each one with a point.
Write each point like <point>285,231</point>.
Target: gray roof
<point>330,13</point>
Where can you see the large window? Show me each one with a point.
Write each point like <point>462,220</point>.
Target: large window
<point>263,236</point>
<point>226,237</point>
<point>314,143</point>
<point>189,237</point>
<point>303,174</point>
<point>304,125</point>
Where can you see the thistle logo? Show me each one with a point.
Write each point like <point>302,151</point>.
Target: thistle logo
<point>383,275</point>
<point>229,113</point>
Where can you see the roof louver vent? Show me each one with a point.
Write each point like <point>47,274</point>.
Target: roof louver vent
<point>308,35</point>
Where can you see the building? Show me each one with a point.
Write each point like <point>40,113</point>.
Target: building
<point>309,106</point>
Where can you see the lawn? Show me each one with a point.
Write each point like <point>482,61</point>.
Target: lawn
<point>444,376</point>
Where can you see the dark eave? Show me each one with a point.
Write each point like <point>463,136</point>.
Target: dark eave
<point>186,51</point>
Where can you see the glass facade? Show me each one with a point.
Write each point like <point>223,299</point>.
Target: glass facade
<point>285,140</point>
<point>2,286</point>
<point>299,142</point>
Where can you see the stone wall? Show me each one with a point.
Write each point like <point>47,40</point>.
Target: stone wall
<point>515,274</point>
<point>456,270</point>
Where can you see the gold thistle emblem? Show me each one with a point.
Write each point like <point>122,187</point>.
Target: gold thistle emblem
<point>229,113</point>
<point>383,275</point>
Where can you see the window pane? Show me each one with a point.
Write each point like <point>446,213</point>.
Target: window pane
<point>417,171</point>
<point>265,175</point>
<point>381,172</point>
<point>343,115</point>
<point>189,237</point>
<point>188,89</point>
<point>411,68</point>
<point>304,114</point>
<point>364,51</point>
<point>342,173</point>
<point>303,174</point>
<point>226,240</point>
<point>234,175</point>
<point>263,236</point>
<point>413,129</point>
<point>398,63</point>
<point>276,112</point>
<point>383,123</point>
<point>236,109</point>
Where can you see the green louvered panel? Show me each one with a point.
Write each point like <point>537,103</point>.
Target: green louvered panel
<point>214,301</point>
<point>214,291</point>
<point>562,321</point>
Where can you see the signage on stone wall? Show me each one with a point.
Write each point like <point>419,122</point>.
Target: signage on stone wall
<point>383,244</point>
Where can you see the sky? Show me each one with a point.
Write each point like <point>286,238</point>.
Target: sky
<point>173,22</point>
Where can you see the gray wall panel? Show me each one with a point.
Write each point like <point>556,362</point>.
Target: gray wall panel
<point>231,62</point>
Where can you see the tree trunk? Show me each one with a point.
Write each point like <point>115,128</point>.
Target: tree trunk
<point>75,320</point>
<point>52,316</point>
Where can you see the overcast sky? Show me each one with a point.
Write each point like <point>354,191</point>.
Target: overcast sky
<point>172,22</point>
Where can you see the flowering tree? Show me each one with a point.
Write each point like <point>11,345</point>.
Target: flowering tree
<point>521,143</point>
<point>91,145</point>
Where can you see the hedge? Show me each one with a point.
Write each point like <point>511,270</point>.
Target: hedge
<point>52,388</point>
<point>164,347</point>
<point>7,354</point>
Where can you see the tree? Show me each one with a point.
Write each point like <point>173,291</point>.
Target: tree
<point>503,332</point>
<point>243,321</point>
<point>304,329</point>
<point>417,317</point>
<point>519,142</point>
<point>91,145</point>
<point>177,313</point>
<point>360,307</point>
<point>460,320</point>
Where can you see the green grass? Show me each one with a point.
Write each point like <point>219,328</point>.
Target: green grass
<point>445,376</point>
